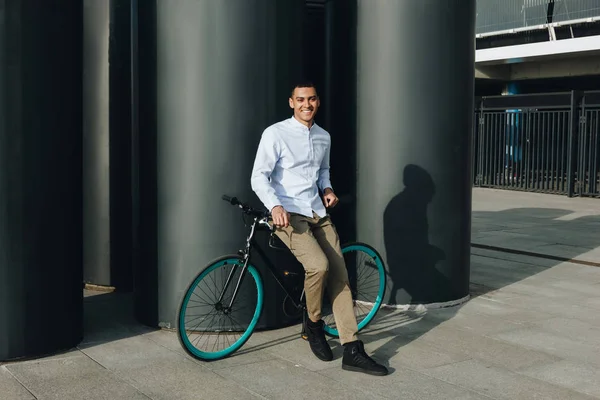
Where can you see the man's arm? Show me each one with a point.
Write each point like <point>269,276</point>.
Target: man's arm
<point>264,163</point>
<point>324,180</point>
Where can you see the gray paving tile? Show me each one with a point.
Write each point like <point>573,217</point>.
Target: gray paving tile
<point>277,379</point>
<point>495,261</point>
<point>250,353</point>
<point>284,343</point>
<point>576,247</point>
<point>485,227</point>
<point>490,280</point>
<point>579,377</point>
<point>541,289</point>
<point>512,282</point>
<point>565,307</point>
<point>570,348</point>
<point>108,317</point>
<point>494,306</point>
<point>500,383</point>
<point>570,328</point>
<point>475,317</point>
<point>503,233</point>
<point>580,289</point>
<point>408,324</point>
<point>498,200</point>
<point>403,351</point>
<point>593,303</point>
<point>72,378</point>
<point>574,273</point>
<point>579,240</point>
<point>55,356</point>
<point>297,352</point>
<point>512,356</point>
<point>478,255</point>
<point>483,306</point>
<point>10,388</point>
<point>162,373</point>
<point>402,383</point>
<point>516,277</point>
<point>593,254</point>
<point>512,242</point>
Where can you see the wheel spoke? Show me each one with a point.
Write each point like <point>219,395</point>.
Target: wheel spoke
<point>211,329</point>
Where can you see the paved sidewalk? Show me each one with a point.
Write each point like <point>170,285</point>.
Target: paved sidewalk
<point>529,332</point>
<point>544,224</point>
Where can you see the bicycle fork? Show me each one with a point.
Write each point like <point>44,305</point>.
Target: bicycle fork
<point>237,286</point>
<point>246,254</point>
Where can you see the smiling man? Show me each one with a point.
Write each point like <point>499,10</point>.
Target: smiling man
<point>291,171</point>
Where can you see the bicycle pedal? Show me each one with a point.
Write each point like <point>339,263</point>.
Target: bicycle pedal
<point>304,336</point>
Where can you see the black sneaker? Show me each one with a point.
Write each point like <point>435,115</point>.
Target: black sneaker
<point>316,339</point>
<point>355,359</point>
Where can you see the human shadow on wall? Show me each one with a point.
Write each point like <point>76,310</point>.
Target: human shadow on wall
<point>411,259</point>
<point>411,262</point>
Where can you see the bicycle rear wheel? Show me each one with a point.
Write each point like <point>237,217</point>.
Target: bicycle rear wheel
<point>366,274</point>
<point>209,329</point>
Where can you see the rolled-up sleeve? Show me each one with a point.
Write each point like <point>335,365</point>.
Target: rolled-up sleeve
<point>267,156</point>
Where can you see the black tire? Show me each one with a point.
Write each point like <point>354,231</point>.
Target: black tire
<point>251,275</point>
<point>378,282</point>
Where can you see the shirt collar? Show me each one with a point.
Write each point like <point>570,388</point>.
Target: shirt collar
<point>297,124</point>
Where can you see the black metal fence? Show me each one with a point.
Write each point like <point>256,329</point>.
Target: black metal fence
<point>503,15</point>
<point>541,143</point>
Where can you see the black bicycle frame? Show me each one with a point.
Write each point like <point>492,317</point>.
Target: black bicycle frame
<point>250,242</point>
<point>288,291</point>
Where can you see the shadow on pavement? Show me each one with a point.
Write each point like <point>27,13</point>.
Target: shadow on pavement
<point>552,232</point>
<point>109,316</point>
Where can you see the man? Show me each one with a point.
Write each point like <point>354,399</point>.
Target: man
<point>291,167</point>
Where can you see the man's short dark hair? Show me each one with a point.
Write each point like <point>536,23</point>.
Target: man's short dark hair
<point>303,84</point>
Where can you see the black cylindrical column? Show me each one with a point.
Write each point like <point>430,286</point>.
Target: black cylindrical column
<point>415,112</point>
<point>313,48</point>
<point>107,143</point>
<point>212,76</point>
<point>40,177</point>
<point>339,110</point>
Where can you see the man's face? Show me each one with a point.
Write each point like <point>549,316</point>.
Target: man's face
<point>305,103</point>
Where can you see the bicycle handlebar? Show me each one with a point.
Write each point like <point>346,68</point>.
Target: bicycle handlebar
<point>245,208</point>
<point>233,200</point>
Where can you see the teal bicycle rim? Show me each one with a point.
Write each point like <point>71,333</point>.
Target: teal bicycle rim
<point>378,300</point>
<point>247,333</point>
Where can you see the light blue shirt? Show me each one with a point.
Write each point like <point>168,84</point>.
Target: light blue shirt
<point>291,165</point>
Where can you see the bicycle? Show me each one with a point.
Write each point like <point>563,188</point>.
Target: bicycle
<point>227,282</point>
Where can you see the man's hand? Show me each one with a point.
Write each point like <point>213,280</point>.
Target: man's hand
<point>280,216</point>
<point>329,198</point>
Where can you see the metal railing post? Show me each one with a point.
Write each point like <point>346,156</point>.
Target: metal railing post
<point>573,141</point>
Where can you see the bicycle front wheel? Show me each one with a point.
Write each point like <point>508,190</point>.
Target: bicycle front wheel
<point>210,325</point>
<point>366,274</point>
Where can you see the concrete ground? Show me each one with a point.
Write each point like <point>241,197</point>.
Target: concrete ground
<point>530,331</point>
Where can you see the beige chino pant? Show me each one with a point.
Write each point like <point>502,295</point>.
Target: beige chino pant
<point>316,244</point>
